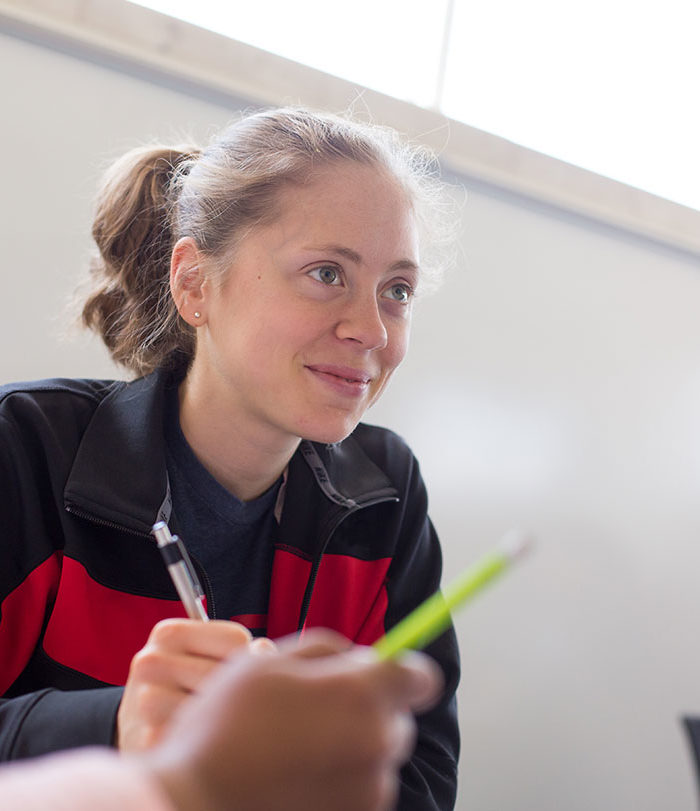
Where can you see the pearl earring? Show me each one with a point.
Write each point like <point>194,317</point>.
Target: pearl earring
<point>197,315</point>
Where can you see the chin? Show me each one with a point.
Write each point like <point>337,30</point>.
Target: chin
<point>329,434</point>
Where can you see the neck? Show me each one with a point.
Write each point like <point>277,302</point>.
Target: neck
<point>243,458</point>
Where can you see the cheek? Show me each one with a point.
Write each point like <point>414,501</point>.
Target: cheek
<point>392,356</point>
<point>396,349</point>
<point>398,343</point>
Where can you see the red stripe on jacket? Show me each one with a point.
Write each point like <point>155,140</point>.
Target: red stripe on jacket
<point>251,621</point>
<point>97,630</point>
<point>349,595</point>
<point>22,616</point>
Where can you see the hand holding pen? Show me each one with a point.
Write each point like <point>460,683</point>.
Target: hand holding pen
<point>177,657</point>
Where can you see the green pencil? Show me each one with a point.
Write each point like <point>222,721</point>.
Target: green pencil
<point>433,616</point>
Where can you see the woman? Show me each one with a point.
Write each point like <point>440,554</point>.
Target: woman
<point>262,290</point>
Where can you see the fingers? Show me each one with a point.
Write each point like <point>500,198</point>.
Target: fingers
<point>352,683</point>
<point>144,716</point>
<point>177,658</point>
<point>182,671</point>
<point>415,679</point>
<point>215,639</point>
<point>181,653</point>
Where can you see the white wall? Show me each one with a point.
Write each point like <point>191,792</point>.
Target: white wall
<point>554,384</point>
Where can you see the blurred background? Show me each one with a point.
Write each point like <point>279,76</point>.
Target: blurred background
<point>552,384</point>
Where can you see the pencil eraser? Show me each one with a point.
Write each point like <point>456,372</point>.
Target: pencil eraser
<point>516,543</point>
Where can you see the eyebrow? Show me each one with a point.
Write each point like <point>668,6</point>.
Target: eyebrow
<point>353,256</point>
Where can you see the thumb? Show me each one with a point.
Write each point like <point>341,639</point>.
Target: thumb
<point>414,681</point>
<point>314,644</point>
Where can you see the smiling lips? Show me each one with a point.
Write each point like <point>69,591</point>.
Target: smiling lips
<point>342,378</point>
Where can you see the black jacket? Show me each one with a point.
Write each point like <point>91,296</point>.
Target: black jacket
<point>83,477</point>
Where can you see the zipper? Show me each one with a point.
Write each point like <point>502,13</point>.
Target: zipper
<point>208,592</point>
<point>101,522</point>
<point>311,582</point>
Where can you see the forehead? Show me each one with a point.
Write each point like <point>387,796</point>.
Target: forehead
<point>352,200</point>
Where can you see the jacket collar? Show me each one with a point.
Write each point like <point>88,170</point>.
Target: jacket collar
<point>119,473</point>
<point>345,474</point>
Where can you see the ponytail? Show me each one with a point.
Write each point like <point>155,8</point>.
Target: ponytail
<point>130,305</point>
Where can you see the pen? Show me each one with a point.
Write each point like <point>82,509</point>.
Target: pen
<point>181,571</point>
<point>432,617</point>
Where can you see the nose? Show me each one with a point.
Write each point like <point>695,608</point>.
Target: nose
<point>361,321</point>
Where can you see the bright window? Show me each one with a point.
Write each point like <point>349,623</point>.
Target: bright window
<point>609,85</point>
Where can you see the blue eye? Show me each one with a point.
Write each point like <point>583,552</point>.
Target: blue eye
<point>399,292</point>
<point>327,274</point>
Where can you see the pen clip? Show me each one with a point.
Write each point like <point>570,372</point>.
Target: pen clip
<point>189,567</point>
<point>174,550</point>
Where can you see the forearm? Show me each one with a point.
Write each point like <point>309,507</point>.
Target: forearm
<point>52,720</point>
<point>80,781</point>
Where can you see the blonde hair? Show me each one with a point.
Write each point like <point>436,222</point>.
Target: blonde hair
<point>154,195</point>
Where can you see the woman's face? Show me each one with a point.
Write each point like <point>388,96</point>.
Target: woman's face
<point>314,312</point>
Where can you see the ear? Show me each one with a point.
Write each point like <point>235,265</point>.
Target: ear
<point>187,281</point>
